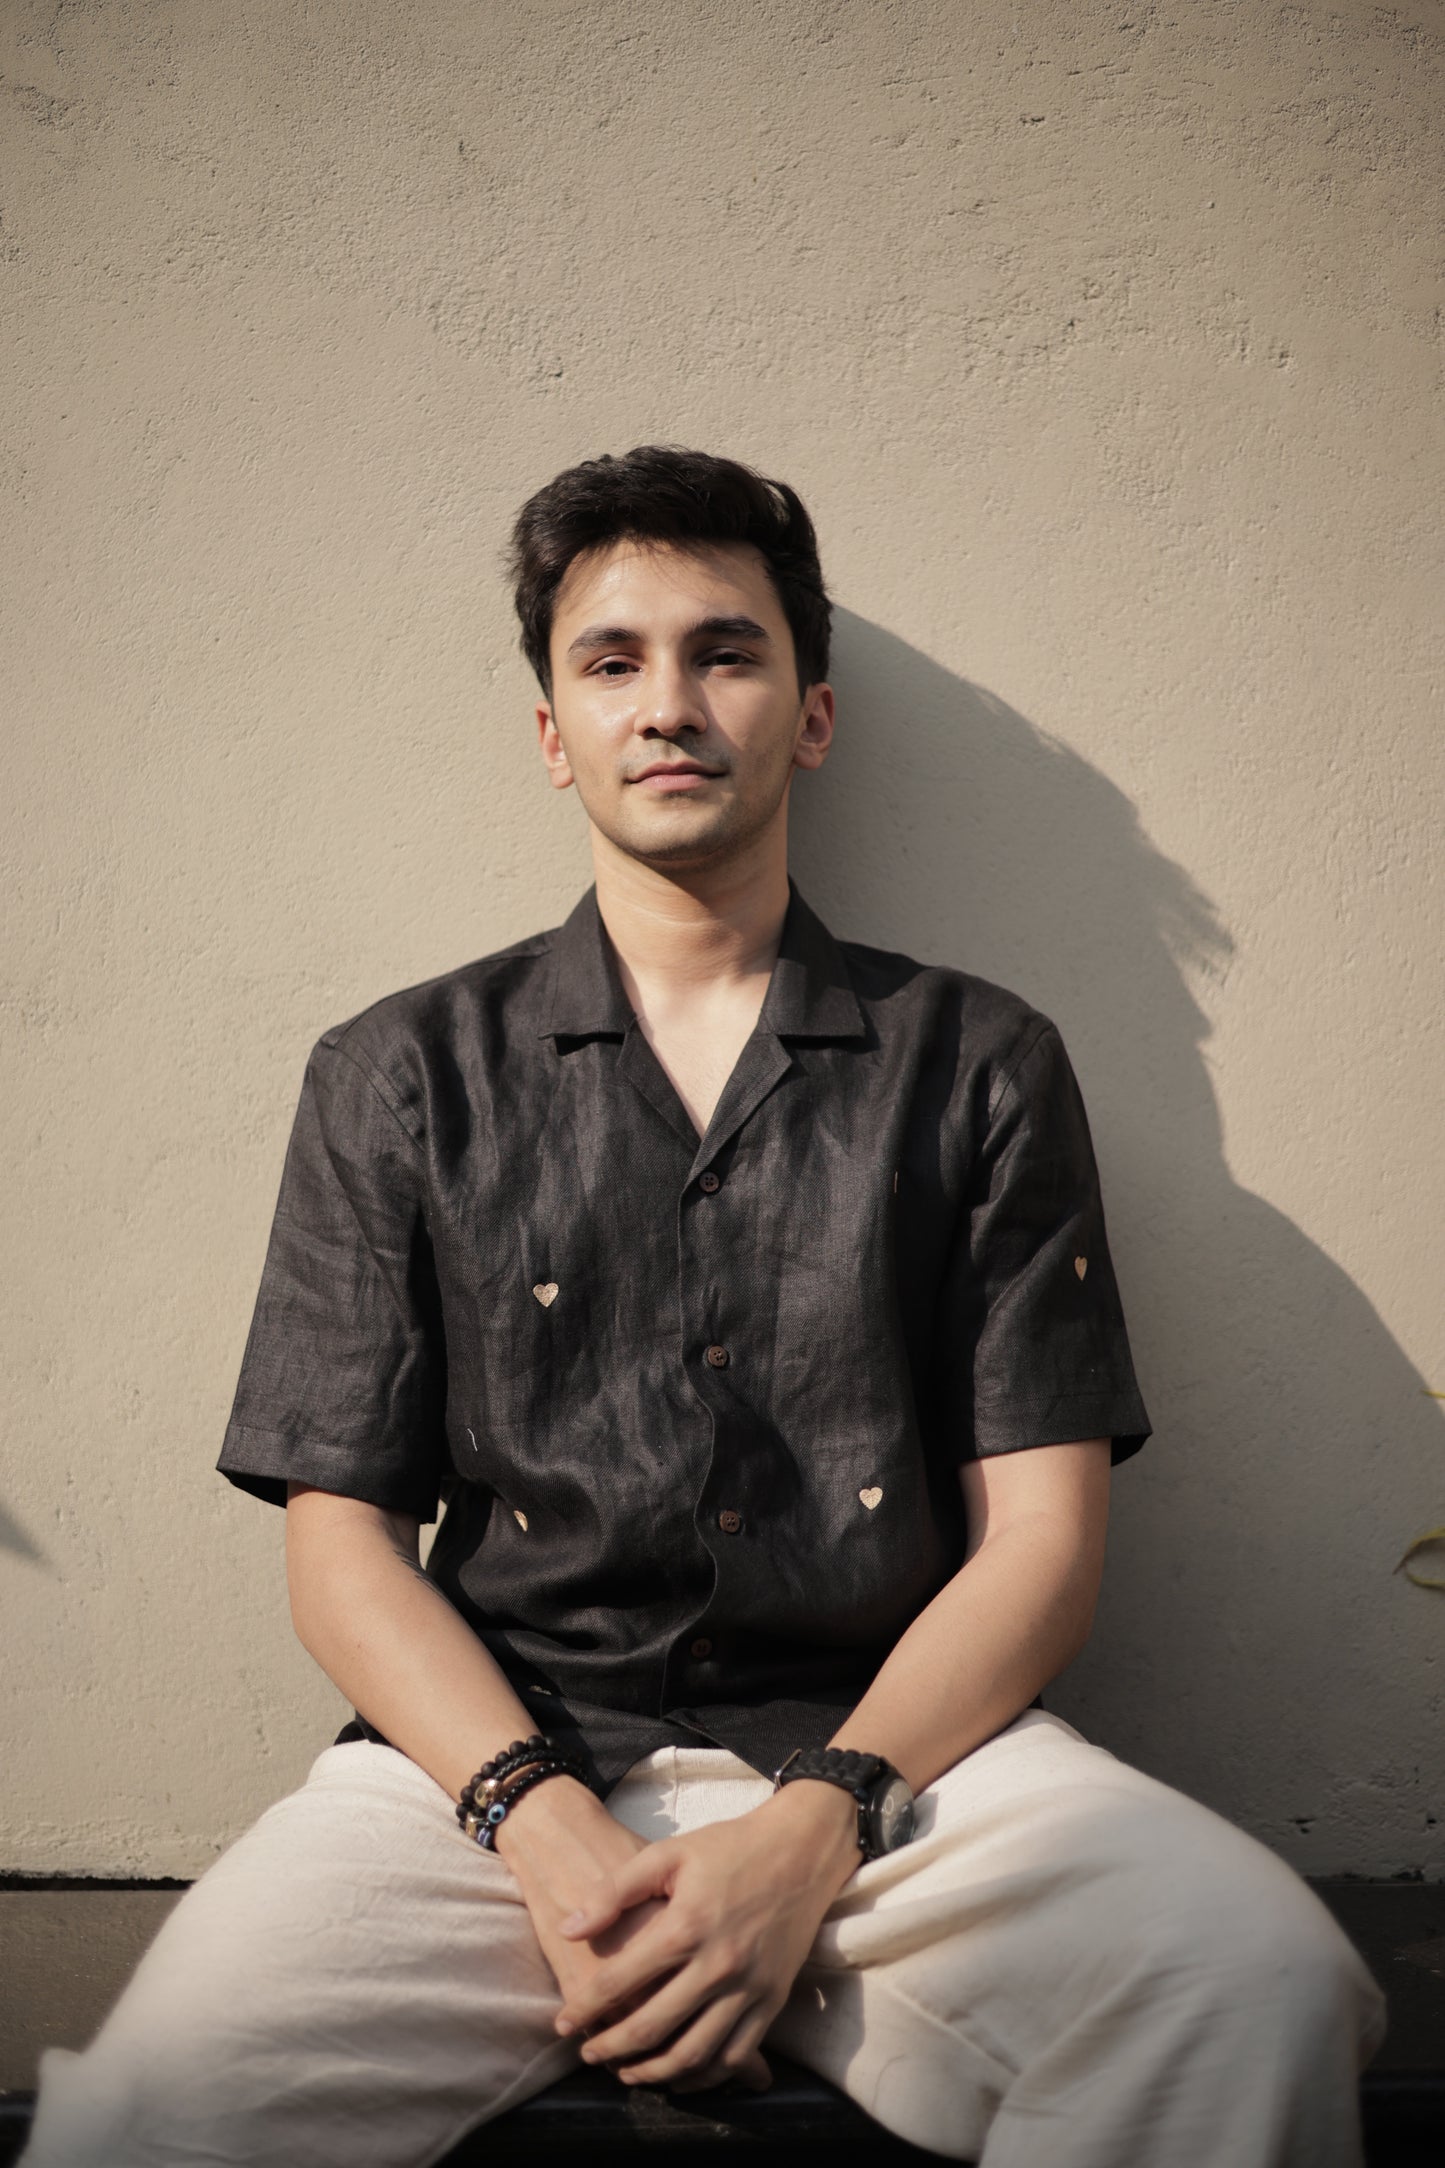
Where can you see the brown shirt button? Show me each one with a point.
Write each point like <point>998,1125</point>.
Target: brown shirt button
<point>729,1521</point>
<point>709,1182</point>
<point>718,1357</point>
<point>700,1648</point>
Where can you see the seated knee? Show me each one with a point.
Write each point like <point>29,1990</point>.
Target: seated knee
<point>1247,1935</point>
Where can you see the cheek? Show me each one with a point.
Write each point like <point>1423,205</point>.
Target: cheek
<point>769,754</point>
<point>593,745</point>
<point>761,724</point>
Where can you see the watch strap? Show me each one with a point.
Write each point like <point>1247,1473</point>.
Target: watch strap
<point>844,1766</point>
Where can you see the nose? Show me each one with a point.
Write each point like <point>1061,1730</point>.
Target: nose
<point>671,701</point>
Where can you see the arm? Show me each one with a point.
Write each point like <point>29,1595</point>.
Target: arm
<point>389,1639</point>
<point>746,1897</point>
<point>1013,1617</point>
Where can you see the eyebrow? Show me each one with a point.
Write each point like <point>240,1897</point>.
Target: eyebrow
<point>594,638</point>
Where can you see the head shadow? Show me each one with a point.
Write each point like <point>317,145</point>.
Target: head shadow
<point>1254,1645</point>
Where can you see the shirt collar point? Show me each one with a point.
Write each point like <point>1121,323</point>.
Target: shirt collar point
<point>810,994</point>
<point>585,996</point>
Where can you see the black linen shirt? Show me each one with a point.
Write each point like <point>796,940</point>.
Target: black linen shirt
<point>696,1406</point>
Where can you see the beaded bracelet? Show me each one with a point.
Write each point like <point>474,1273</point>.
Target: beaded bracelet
<point>477,1795</point>
<point>483,1823</point>
<point>511,1757</point>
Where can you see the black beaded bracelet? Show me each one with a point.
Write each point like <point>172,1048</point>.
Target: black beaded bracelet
<point>477,1795</point>
<point>512,1757</point>
<point>482,1824</point>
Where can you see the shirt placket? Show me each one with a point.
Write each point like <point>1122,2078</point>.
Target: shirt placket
<point>721,1232</point>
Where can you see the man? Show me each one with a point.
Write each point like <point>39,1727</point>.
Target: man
<point>746,1295</point>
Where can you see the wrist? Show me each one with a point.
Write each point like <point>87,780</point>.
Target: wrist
<point>884,1804</point>
<point>561,1811</point>
<point>499,1786</point>
<point>564,1802</point>
<point>824,1820</point>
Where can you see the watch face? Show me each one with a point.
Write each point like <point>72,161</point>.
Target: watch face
<point>890,1815</point>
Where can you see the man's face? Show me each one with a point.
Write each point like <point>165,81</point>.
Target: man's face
<point>675,706</point>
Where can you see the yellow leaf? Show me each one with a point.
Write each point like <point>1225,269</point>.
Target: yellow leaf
<point>1421,1543</point>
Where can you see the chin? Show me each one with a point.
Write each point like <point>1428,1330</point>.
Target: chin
<point>678,856</point>
<point>677,842</point>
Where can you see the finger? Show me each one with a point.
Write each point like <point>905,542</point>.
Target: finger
<point>645,1876</point>
<point>721,2066</point>
<point>678,2002</point>
<point>624,1982</point>
<point>696,2047</point>
<point>753,2075</point>
<point>740,2057</point>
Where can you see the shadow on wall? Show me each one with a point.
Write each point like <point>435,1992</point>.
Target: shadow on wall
<point>14,1539</point>
<point>1251,1628</point>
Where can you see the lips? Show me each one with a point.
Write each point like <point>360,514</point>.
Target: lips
<point>674,767</point>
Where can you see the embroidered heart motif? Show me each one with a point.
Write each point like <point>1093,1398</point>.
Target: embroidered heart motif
<point>547,1294</point>
<point>520,1518</point>
<point>1081,1266</point>
<point>871,1496</point>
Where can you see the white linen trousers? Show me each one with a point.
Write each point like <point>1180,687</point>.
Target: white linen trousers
<point>1071,1966</point>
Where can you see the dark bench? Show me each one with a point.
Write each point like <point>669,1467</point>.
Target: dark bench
<point>590,2118</point>
<point>1399,1926</point>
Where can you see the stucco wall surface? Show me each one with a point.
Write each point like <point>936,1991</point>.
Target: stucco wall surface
<point>1104,342</point>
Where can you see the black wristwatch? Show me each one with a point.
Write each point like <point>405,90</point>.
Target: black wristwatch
<point>885,1804</point>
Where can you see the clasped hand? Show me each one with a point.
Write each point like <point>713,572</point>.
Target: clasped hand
<point>686,2000</point>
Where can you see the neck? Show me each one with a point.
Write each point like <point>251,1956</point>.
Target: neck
<point>683,935</point>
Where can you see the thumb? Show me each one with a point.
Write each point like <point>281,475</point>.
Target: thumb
<point>755,2075</point>
<point>645,1876</point>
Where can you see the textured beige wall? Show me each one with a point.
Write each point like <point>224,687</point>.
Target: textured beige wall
<point>1105,343</point>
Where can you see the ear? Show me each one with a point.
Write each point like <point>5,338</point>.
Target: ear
<point>558,765</point>
<point>815,731</point>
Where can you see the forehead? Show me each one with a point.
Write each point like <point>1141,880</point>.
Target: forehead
<point>659,586</point>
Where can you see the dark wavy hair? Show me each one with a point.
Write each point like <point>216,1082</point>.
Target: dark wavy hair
<point>663,493</point>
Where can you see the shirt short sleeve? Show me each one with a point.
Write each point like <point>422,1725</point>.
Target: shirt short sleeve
<point>1039,1354</point>
<point>342,1382</point>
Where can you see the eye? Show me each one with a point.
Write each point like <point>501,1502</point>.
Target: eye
<point>610,666</point>
<point>727,656</point>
